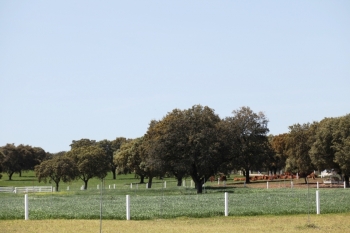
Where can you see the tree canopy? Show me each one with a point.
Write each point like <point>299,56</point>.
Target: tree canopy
<point>16,159</point>
<point>194,143</point>
<point>187,143</point>
<point>56,169</point>
<point>110,147</point>
<point>250,148</point>
<point>90,161</point>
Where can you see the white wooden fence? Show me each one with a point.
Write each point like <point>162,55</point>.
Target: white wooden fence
<point>7,189</point>
<point>27,189</point>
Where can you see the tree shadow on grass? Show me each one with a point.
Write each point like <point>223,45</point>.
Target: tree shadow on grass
<point>221,189</point>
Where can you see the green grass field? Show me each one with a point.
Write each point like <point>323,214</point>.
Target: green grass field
<point>165,203</point>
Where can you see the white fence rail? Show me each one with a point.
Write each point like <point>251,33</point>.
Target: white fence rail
<point>7,189</point>
<point>33,189</point>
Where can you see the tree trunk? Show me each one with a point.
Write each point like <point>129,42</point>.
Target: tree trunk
<point>247,176</point>
<point>85,184</point>
<point>20,173</point>
<point>10,175</point>
<point>142,179</point>
<point>179,181</point>
<point>346,179</point>
<point>57,186</point>
<point>199,188</point>
<point>198,184</point>
<point>114,174</point>
<point>149,185</point>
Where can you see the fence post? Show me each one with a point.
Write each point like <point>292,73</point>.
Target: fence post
<point>317,184</point>
<point>344,184</point>
<point>26,210</point>
<point>113,186</point>
<point>317,202</point>
<point>226,203</point>
<point>218,181</point>
<point>127,207</point>
<point>98,186</point>
<point>267,185</point>
<point>131,185</point>
<point>184,183</point>
<point>165,184</point>
<point>291,184</point>
<point>67,188</point>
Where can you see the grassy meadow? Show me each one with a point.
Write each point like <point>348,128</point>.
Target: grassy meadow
<point>171,202</point>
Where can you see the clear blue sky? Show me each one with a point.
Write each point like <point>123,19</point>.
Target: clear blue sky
<point>105,69</point>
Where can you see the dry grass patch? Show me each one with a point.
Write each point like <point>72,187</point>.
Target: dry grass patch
<point>296,223</point>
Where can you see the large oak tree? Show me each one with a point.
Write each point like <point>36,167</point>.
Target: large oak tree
<point>250,147</point>
<point>187,141</point>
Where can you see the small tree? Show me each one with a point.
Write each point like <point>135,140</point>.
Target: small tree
<point>133,157</point>
<point>110,147</point>
<point>279,146</point>
<point>60,168</point>
<point>12,160</point>
<point>90,161</point>
<point>298,150</point>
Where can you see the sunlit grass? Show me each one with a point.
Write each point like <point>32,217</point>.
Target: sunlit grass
<point>295,223</point>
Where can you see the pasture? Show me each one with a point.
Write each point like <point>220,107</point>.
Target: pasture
<point>170,202</point>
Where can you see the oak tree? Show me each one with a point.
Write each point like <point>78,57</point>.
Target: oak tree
<point>250,146</point>
<point>59,168</point>
<point>90,161</point>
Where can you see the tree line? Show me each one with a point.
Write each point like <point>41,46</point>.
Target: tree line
<point>194,143</point>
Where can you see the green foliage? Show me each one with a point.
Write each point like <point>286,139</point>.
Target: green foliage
<point>12,159</point>
<point>341,144</point>
<point>111,147</point>
<point>56,169</point>
<point>130,158</point>
<point>186,142</point>
<point>330,146</point>
<point>90,161</point>
<point>279,146</point>
<point>298,150</point>
<point>15,159</point>
<point>84,142</point>
<point>249,145</point>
